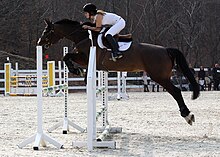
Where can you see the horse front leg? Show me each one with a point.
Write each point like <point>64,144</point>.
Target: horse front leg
<point>176,93</point>
<point>72,66</point>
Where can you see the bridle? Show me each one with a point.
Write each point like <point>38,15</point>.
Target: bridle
<point>48,37</point>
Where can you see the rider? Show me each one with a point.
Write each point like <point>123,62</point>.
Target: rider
<point>101,18</point>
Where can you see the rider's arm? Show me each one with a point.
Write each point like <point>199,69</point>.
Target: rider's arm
<point>98,24</point>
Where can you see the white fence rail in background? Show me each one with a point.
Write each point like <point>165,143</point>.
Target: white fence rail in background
<point>136,84</point>
<point>71,80</point>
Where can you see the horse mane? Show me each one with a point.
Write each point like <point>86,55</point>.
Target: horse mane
<point>67,21</point>
<point>77,24</point>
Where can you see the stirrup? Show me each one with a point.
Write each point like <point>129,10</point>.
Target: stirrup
<point>113,58</point>
<point>119,55</point>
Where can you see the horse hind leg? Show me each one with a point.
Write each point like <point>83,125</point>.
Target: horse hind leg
<point>176,93</point>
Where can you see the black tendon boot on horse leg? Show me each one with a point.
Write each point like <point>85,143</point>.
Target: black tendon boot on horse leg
<point>115,52</point>
<point>71,67</point>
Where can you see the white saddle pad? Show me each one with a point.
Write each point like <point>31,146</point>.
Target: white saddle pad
<point>123,46</point>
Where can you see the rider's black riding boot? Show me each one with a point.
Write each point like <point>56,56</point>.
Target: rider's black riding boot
<point>115,52</point>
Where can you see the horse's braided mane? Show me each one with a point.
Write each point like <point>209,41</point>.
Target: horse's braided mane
<point>67,21</point>
<point>89,24</point>
<point>76,23</point>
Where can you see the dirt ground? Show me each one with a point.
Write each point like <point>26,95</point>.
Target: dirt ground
<point>151,123</point>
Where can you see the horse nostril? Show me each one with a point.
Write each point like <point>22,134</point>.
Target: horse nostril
<point>46,46</point>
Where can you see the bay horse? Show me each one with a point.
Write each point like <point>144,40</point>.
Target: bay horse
<point>157,61</point>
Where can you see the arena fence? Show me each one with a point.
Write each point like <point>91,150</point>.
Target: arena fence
<point>134,81</point>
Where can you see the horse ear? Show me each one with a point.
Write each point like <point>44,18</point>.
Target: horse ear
<point>48,22</point>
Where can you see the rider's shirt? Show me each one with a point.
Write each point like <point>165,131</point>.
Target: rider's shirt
<point>109,19</point>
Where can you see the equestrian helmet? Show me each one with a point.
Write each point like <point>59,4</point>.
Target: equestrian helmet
<point>90,8</point>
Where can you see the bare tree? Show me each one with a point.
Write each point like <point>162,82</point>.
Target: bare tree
<point>190,25</point>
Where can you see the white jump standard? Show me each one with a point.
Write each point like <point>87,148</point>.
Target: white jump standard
<point>92,140</point>
<point>122,86</point>
<point>91,105</point>
<point>66,122</point>
<point>40,137</point>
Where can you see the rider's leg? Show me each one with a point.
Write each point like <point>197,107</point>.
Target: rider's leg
<point>115,52</point>
<point>115,29</point>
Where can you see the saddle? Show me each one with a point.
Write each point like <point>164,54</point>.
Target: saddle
<point>124,41</point>
<point>123,38</point>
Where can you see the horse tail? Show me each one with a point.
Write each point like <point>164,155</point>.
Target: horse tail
<point>177,56</point>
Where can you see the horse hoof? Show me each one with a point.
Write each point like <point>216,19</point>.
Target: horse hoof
<point>190,118</point>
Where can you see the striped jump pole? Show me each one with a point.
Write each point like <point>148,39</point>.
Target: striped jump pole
<point>66,122</point>
<point>52,89</point>
<point>40,137</point>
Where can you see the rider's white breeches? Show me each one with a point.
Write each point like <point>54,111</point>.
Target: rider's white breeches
<point>116,28</point>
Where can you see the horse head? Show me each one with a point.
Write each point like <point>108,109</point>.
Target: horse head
<point>49,35</point>
<point>65,28</point>
<point>73,31</point>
